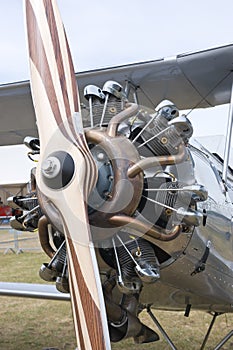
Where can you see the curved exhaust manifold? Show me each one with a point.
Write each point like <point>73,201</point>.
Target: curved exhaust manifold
<point>127,167</point>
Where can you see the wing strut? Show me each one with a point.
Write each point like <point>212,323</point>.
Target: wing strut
<point>228,139</point>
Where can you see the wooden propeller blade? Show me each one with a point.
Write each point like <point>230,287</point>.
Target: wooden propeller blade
<point>55,98</point>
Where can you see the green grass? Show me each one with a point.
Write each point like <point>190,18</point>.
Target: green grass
<point>30,324</point>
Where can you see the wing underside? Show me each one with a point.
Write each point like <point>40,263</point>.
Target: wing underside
<point>194,80</point>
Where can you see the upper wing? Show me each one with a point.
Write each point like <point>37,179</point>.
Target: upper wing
<point>199,79</point>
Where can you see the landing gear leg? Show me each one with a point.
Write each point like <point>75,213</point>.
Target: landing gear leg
<point>168,340</point>
<point>166,337</point>
<point>209,330</point>
<point>223,341</point>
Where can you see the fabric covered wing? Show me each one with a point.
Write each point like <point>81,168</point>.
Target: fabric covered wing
<point>199,79</point>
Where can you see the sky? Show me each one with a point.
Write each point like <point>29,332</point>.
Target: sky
<point>107,33</point>
<point>110,33</point>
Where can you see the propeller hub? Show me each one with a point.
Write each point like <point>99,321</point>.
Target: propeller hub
<point>57,170</point>
<point>51,167</point>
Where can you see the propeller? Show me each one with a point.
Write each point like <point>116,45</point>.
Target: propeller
<point>66,172</point>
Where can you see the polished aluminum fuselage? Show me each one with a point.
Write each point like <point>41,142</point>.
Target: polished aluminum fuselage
<point>200,271</point>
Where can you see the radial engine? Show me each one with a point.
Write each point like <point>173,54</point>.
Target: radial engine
<point>146,196</point>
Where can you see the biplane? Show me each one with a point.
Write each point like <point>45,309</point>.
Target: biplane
<point>131,211</point>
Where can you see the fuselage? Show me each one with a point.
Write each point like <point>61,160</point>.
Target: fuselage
<point>200,271</point>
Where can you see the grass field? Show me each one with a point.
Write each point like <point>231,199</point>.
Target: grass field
<point>30,324</point>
